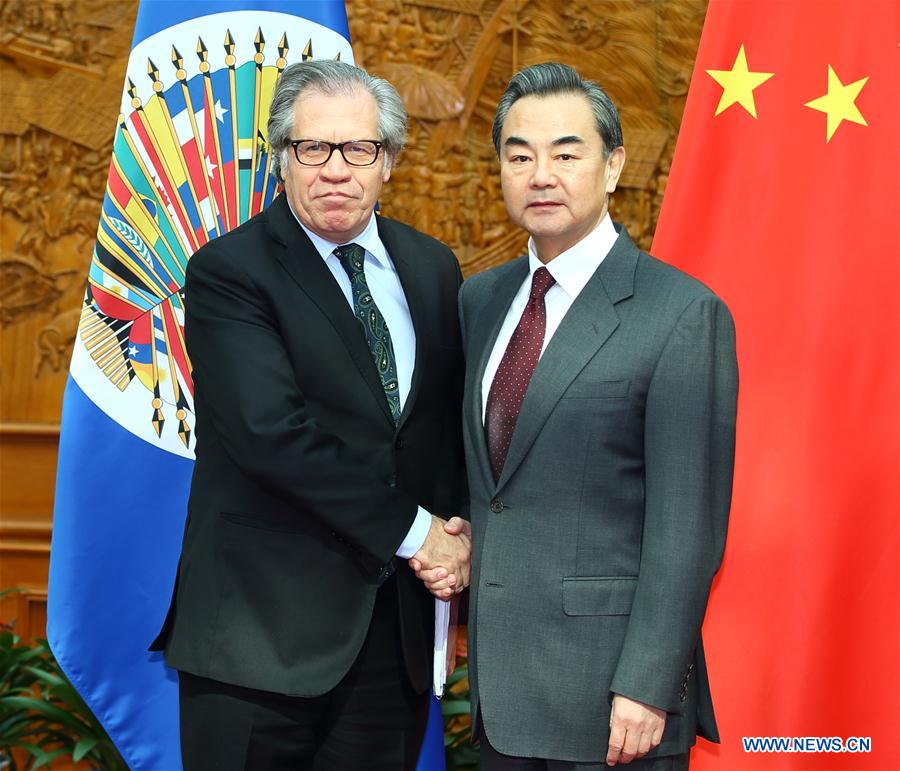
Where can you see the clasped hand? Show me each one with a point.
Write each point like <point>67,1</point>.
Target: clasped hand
<point>635,729</point>
<point>443,561</point>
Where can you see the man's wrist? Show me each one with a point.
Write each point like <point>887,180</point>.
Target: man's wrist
<point>415,537</point>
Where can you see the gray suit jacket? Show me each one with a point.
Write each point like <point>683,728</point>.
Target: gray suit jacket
<point>594,553</point>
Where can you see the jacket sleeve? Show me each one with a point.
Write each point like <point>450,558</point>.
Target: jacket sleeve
<point>689,458</point>
<point>253,401</point>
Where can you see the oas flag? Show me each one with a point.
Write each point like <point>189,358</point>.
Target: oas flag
<point>190,162</point>
<point>783,197</point>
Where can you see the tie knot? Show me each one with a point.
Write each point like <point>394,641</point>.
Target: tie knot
<point>351,257</point>
<point>541,281</point>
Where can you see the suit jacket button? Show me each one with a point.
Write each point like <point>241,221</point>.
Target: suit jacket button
<point>496,506</point>
<point>398,443</point>
<point>386,571</point>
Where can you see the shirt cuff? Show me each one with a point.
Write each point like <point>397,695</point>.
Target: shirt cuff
<point>416,536</point>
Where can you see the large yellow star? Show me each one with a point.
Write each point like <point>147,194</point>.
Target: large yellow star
<point>738,84</point>
<point>839,103</point>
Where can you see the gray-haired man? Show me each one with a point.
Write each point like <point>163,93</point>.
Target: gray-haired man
<point>326,357</point>
<point>599,418</point>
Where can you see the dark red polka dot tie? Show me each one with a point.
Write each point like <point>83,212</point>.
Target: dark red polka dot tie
<point>515,371</point>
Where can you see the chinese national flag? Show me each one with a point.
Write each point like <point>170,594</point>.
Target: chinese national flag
<point>783,198</point>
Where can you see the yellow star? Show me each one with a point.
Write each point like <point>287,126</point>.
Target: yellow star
<point>738,84</point>
<point>839,103</point>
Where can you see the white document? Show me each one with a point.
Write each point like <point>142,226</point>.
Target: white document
<point>441,628</point>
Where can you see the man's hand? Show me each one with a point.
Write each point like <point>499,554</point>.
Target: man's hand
<point>443,561</point>
<point>438,580</point>
<point>635,729</point>
<point>457,525</point>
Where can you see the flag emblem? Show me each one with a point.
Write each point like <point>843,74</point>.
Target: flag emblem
<point>190,162</point>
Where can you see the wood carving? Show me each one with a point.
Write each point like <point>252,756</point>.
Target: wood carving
<point>450,60</point>
<point>446,182</point>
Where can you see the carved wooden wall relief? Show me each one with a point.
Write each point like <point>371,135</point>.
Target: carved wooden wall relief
<point>451,62</point>
<point>61,65</point>
<point>61,69</point>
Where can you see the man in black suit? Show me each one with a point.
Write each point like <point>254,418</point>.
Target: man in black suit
<point>326,359</point>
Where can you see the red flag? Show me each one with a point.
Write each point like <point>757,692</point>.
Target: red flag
<point>783,197</point>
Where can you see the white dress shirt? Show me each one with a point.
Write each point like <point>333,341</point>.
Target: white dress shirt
<point>571,269</point>
<point>384,284</point>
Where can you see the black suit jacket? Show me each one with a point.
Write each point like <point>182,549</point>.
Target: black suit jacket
<point>303,487</point>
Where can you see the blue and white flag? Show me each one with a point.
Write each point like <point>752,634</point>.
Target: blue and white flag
<point>190,162</point>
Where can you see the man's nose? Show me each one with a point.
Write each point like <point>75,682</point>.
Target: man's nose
<point>335,168</point>
<point>542,173</point>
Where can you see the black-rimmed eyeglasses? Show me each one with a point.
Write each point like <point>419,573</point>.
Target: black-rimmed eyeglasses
<point>316,152</point>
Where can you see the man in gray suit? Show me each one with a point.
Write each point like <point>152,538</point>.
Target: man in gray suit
<point>599,421</point>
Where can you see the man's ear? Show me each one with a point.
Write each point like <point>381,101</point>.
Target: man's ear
<point>283,167</point>
<point>614,165</point>
<point>387,168</point>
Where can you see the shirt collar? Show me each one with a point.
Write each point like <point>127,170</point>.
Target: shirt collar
<point>368,240</point>
<point>574,267</point>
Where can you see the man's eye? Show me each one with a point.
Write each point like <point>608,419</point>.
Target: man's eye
<point>519,159</point>
<point>566,157</point>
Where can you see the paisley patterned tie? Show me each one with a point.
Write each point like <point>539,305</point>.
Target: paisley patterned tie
<point>374,326</point>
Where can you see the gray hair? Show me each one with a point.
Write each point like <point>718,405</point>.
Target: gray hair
<point>550,79</point>
<point>332,78</point>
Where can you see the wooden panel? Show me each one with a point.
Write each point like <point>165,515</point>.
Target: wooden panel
<point>25,572</point>
<point>27,476</point>
<point>31,613</point>
<point>27,471</point>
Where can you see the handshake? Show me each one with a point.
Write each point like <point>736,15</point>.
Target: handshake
<point>443,561</point>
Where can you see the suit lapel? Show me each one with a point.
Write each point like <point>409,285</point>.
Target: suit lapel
<point>307,268</point>
<point>417,298</point>
<point>489,319</point>
<point>584,329</point>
